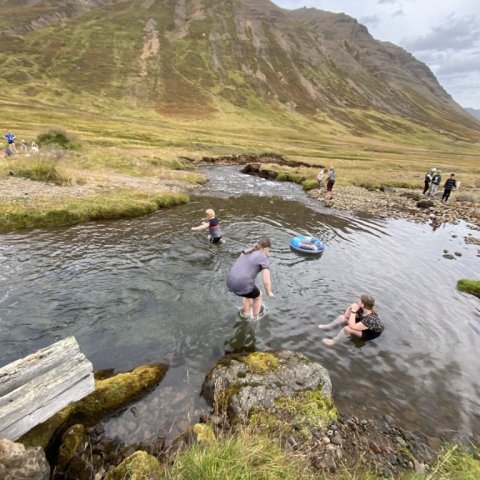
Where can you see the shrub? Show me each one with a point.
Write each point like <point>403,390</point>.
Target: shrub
<point>58,137</point>
<point>469,286</point>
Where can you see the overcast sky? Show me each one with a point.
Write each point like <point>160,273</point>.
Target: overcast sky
<point>444,34</point>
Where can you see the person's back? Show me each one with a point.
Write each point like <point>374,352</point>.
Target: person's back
<point>241,277</point>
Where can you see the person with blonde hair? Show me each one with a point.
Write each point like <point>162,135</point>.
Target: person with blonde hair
<point>242,275</point>
<point>359,320</point>
<point>213,225</point>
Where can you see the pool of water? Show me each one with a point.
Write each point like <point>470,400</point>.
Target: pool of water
<point>150,290</point>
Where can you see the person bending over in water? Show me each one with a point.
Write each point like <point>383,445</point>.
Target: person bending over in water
<point>213,225</point>
<point>242,275</point>
<point>359,320</point>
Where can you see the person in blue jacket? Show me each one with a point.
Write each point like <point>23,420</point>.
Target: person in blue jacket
<point>10,137</point>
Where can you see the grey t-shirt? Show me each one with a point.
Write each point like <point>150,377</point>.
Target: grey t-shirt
<point>241,277</point>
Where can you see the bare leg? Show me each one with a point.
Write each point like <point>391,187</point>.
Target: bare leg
<point>340,320</point>
<point>257,305</point>
<point>345,332</point>
<point>247,307</point>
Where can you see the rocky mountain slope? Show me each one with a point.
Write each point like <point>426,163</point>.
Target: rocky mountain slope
<point>188,57</point>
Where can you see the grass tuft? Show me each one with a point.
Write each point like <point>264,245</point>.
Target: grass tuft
<point>58,137</point>
<point>469,286</point>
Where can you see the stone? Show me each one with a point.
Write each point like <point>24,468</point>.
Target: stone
<point>241,382</point>
<point>140,465</point>
<point>20,463</point>
<point>336,439</point>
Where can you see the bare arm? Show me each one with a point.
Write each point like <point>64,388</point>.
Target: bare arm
<point>203,226</point>
<point>267,283</point>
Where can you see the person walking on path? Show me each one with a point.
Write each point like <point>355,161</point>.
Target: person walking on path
<point>450,184</point>
<point>437,178</point>
<point>213,225</point>
<point>10,137</point>
<point>242,275</point>
<point>359,320</point>
<point>428,178</point>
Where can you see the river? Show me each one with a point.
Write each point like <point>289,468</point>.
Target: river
<point>150,290</point>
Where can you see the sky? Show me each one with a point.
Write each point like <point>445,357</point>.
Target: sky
<point>444,34</point>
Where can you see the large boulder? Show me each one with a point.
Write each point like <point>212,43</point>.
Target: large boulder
<point>20,463</point>
<point>240,384</point>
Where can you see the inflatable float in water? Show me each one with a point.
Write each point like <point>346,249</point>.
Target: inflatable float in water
<point>304,244</point>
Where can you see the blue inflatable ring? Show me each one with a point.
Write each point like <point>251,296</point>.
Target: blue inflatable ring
<point>305,244</point>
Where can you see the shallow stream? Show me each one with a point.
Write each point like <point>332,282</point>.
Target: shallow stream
<point>150,290</point>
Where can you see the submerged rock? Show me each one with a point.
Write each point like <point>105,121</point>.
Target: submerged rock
<point>140,465</point>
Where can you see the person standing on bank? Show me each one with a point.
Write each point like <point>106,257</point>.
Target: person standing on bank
<point>331,180</point>
<point>242,275</point>
<point>321,176</point>
<point>450,184</point>
<point>10,137</point>
<point>437,178</point>
<point>359,320</point>
<point>213,225</point>
<point>428,178</point>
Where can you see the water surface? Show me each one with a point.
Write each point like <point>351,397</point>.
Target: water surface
<point>150,290</point>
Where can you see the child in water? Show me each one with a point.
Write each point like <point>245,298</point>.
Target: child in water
<point>213,225</point>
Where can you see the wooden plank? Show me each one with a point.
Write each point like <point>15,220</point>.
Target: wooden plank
<point>36,387</point>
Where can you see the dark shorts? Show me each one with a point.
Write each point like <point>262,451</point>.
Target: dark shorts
<point>370,334</point>
<point>215,240</point>
<point>253,294</point>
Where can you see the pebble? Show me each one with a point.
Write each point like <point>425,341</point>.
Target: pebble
<point>336,439</point>
<point>326,440</point>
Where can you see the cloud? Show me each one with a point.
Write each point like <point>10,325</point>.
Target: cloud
<point>454,34</point>
<point>398,13</point>
<point>373,20</point>
<point>380,2</point>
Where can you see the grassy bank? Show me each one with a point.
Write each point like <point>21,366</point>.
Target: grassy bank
<point>256,457</point>
<point>48,212</point>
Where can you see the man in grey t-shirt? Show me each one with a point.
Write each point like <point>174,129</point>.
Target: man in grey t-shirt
<point>242,275</point>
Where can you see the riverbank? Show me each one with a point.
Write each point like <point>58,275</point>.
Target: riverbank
<point>404,203</point>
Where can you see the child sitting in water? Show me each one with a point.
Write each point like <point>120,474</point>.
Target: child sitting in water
<point>213,224</point>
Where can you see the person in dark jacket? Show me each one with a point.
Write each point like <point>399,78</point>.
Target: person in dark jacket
<point>450,184</point>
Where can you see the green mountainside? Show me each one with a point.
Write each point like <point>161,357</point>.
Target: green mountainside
<point>198,58</point>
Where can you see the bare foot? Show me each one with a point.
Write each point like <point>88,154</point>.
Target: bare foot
<point>328,341</point>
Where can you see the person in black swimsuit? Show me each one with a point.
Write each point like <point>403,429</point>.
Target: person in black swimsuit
<point>359,320</point>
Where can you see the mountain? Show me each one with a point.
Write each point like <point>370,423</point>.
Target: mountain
<point>189,57</point>
<point>474,112</point>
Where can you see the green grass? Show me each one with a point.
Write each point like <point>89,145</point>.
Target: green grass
<point>469,286</point>
<point>47,212</point>
<point>241,457</point>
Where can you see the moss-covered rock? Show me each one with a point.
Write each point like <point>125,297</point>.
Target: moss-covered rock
<point>139,466</point>
<point>469,286</point>
<point>73,443</point>
<point>110,395</point>
<point>241,383</point>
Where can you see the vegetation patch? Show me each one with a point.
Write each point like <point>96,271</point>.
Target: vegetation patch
<point>49,212</point>
<point>244,456</point>
<point>261,362</point>
<point>58,137</point>
<point>469,286</point>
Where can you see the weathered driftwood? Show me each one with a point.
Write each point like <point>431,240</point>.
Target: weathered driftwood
<point>36,387</point>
